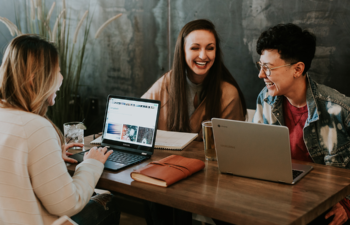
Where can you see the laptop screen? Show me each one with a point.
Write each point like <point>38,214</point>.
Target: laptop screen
<point>131,122</point>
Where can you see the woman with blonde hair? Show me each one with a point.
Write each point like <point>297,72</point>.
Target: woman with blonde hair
<point>35,187</point>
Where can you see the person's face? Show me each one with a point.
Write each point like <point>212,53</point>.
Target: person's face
<point>281,80</point>
<point>52,98</point>
<point>200,49</point>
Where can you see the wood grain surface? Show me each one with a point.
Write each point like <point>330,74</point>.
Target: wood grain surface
<point>235,199</point>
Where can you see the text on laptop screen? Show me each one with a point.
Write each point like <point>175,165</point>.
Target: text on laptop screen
<point>130,121</point>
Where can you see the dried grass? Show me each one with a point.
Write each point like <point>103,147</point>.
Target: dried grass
<point>62,39</point>
<point>9,27</point>
<point>39,13</point>
<point>78,26</point>
<point>106,24</point>
<point>39,9</point>
<point>50,12</point>
<point>71,55</point>
<point>32,10</point>
<point>64,7</point>
<point>38,3</point>
<point>54,30</point>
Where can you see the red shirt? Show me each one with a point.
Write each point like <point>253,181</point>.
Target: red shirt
<point>295,119</point>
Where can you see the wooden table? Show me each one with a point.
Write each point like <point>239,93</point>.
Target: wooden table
<point>234,199</point>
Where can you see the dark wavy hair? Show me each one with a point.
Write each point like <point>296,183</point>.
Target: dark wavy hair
<point>178,119</point>
<point>292,43</point>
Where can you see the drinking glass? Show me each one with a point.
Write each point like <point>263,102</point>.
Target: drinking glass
<point>208,141</point>
<point>74,133</point>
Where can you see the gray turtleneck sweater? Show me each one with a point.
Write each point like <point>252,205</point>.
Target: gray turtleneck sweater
<point>192,89</point>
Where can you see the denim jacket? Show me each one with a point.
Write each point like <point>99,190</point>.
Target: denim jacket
<point>327,129</point>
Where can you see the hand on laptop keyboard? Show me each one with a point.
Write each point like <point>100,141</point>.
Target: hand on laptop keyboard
<point>99,154</point>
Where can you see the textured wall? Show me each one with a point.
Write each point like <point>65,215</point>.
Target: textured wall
<point>6,10</point>
<point>137,49</point>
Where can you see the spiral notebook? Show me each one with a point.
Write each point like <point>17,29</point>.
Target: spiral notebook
<point>168,140</point>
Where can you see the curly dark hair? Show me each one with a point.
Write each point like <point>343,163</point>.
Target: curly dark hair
<point>292,43</point>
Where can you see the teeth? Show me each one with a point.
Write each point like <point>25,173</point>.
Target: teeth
<point>269,83</point>
<point>201,63</point>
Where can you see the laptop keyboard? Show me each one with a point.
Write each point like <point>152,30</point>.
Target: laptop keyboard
<point>124,158</point>
<point>296,173</point>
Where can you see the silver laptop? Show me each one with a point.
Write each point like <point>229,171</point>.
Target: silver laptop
<point>256,150</point>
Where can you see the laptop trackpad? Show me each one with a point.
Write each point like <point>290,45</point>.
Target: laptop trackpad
<point>113,165</point>
<point>300,167</point>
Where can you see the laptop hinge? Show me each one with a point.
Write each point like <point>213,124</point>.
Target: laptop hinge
<point>144,153</point>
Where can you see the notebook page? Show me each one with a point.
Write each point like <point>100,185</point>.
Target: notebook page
<point>167,139</point>
<point>173,140</point>
<point>97,141</point>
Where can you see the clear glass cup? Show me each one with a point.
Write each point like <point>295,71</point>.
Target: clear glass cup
<point>208,141</point>
<point>73,133</point>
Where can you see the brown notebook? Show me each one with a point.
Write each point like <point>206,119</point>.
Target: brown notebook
<point>168,170</point>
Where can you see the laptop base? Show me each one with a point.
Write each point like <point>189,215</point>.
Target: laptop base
<point>111,163</point>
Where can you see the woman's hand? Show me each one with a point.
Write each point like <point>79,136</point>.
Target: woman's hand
<point>340,216</point>
<point>65,154</point>
<point>99,154</point>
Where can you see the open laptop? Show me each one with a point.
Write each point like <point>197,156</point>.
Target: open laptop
<point>256,150</point>
<point>129,129</point>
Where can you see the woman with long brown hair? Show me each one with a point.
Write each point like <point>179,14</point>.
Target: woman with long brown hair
<point>199,86</point>
<point>35,187</point>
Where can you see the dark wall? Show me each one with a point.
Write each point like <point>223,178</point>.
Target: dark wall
<point>134,51</point>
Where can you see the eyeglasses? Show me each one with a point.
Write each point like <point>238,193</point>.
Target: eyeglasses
<point>267,70</point>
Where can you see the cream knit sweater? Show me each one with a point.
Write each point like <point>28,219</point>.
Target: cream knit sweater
<point>35,187</point>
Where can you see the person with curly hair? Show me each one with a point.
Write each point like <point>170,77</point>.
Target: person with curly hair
<point>317,116</point>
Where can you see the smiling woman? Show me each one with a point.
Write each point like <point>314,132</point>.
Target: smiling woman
<point>200,49</point>
<point>199,86</point>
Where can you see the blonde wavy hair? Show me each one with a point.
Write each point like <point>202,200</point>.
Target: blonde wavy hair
<point>29,75</point>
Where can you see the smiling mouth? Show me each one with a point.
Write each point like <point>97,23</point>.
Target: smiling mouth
<point>269,84</point>
<point>201,64</point>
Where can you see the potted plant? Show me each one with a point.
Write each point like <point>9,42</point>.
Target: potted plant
<point>71,50</point>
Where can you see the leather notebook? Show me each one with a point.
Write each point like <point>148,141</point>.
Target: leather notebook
<point>168,170</point>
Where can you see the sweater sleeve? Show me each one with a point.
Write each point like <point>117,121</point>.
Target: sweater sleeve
<point>150,94</point>
<point>58,192</point>
<point>231,103</point>
<point>233,110</point>
<point>155,91</point>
